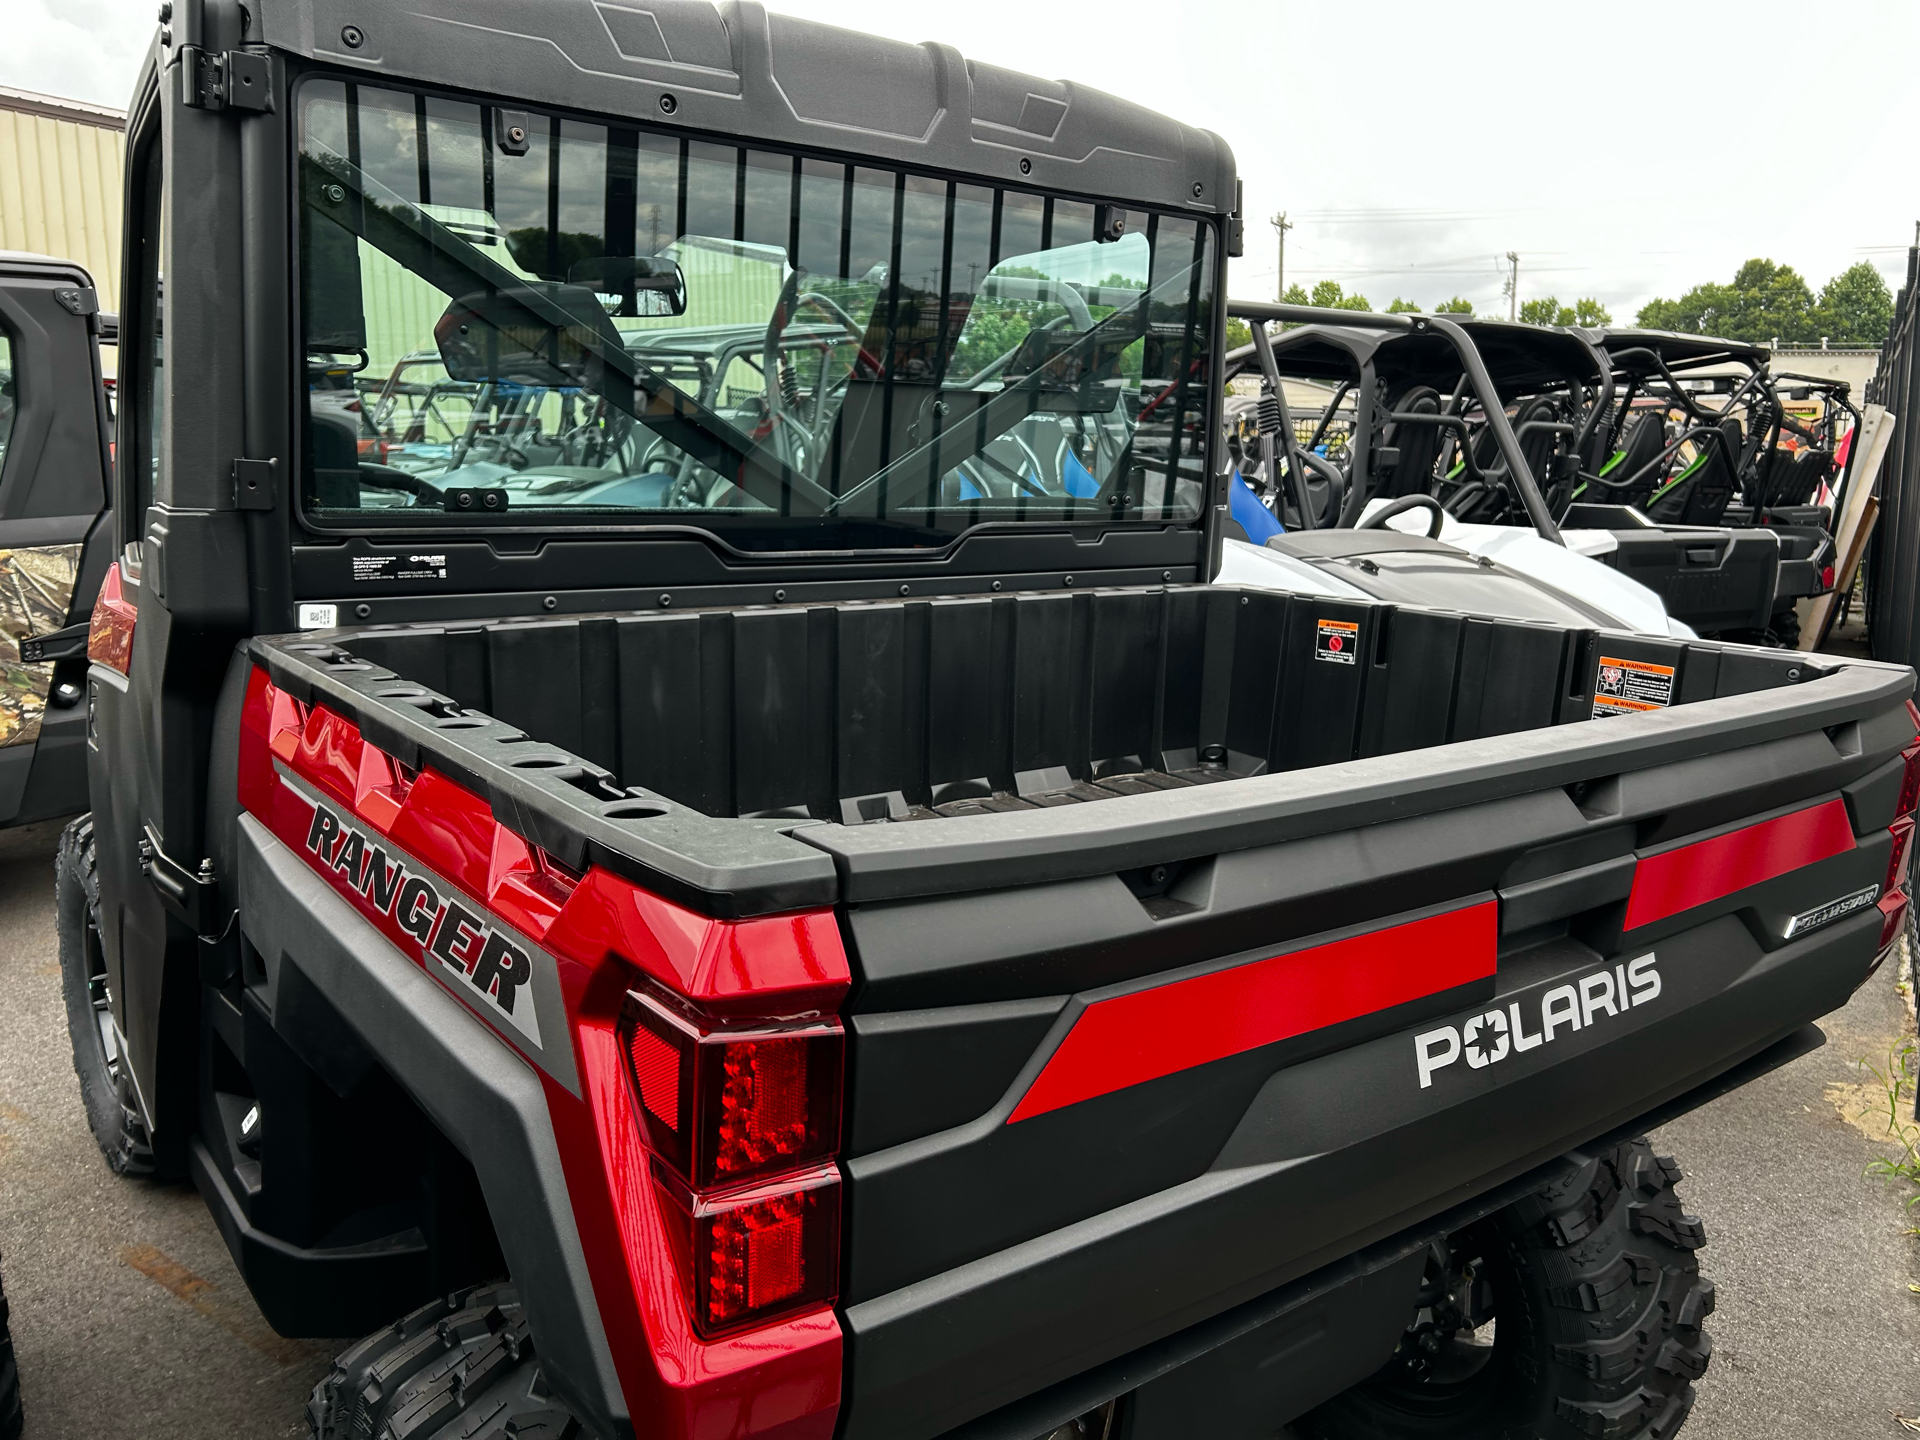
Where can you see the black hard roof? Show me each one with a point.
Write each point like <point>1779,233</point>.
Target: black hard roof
<point>1681,352</point>
<point>740,72</point>
<point>1521,359</point>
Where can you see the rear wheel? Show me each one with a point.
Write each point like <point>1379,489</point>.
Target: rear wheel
<point>462,1366</point>
<point>99,1059</point>
<point>1784,629</point>
<point>1572,1314</point>
<point>10,1419</point>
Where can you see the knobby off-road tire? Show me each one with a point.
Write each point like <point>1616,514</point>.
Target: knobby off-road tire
<point>106,1086</point>
<point>461,1366</point>
<point>11,1422</point>
<point>1597,1303</point>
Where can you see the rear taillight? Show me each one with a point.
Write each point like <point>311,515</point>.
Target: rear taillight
<point>1910,782</point>
<point>743,1119</point>
<point>1893,894</point>
<point>724,1106</point>
<point>756,1254</point>
<point>1902,832</point>
<point>110,629</point>
<point>1893,916</point>
<point>1826,577</point>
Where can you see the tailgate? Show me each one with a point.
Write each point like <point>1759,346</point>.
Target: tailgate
<point>1217,1039</point>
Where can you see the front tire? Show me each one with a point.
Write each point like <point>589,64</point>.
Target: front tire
<point>106,1084</point>
<point>1591,1296</point>
<point>459,1366</point>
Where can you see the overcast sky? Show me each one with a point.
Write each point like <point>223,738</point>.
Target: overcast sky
<point>1624,150</point>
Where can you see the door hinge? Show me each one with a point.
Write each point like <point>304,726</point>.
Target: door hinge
<point>255,482</point>
<point>82,300</point>
<point>67,644</point>
<point>234,80</point>
<point>191,896</point>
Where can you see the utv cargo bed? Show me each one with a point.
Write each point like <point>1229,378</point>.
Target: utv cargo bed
<point>1198,937</point>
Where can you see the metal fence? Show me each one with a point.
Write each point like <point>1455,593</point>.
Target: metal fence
<point>1893,559</point>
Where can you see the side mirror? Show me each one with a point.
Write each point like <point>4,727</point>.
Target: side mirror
<point>633,284</point>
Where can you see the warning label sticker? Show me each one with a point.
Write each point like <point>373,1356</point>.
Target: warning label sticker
<point>1336,640</point>
<point>399,567</point>
<point>1627,687</point>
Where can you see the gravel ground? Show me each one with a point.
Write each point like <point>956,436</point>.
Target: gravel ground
<point>131,1321</point>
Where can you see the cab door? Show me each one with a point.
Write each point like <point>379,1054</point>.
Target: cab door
<point>54,536</point>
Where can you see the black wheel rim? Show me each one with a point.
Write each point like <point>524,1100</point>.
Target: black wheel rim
<point>98,998</point>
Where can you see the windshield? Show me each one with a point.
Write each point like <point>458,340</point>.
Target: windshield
<point>507,313</point>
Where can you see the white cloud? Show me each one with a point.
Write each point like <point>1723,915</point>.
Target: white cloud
<point>83,49</point>
<point>1623,150</point>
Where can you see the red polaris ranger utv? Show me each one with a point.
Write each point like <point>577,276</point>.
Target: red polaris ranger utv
<point>706,865</point>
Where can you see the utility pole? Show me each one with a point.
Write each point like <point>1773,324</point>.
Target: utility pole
<point>1513,285</point>
<point>1281,225</point>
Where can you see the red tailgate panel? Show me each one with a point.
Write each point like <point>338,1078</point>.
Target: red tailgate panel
<point>1129,1039</point>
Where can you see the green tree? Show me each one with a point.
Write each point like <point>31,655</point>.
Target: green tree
<point>1329,296</point>
<point>1458,305</point>
<point>1547,310</point>
<point>1855,307</point>
<point>1764,302</point>
<point>1238,333</point>
<point>1591,313</point>
<point>1296,296</point>
<point>1402,307</point>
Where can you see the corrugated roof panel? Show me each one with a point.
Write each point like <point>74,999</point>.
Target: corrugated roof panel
<point>60,193</point>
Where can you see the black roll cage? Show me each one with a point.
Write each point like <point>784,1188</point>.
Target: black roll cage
<point>1473,368</point>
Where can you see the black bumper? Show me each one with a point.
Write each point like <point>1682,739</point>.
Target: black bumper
<point>1334,1155</point>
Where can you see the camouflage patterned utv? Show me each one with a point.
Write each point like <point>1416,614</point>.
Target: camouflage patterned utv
<point>54,462</point>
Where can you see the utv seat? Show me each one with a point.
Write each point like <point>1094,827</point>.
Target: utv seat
<point>1646,437</point>
<point>1537,448</point>
<point>1417,445</point>
<point>1795,479</point>
<point>1699,494</point>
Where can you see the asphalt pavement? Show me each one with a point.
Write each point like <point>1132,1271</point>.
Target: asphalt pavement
<point>129,1319</point>
<point>131,1322</point>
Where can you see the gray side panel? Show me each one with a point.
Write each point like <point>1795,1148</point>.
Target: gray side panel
<point>738,71</point>
<point>485,1100</point>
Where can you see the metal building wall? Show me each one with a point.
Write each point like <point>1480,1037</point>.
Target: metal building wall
<point>60,166</point>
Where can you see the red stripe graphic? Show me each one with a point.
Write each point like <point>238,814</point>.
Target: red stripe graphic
<point>1676,880</point>
<point>1133,1038</point>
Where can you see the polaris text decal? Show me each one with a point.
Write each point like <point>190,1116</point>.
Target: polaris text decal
<point>1488,1039</point>
<point>468,949</point>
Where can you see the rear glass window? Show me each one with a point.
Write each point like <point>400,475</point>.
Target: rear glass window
<point>507,312</point>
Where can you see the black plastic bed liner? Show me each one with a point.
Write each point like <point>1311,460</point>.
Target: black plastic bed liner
<point>700,753</point>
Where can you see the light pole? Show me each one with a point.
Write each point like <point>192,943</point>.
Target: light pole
<point>1281,225</point>
<point>1513,285</point>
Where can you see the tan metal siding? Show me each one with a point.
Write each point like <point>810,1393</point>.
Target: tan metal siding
<point>60,193</point>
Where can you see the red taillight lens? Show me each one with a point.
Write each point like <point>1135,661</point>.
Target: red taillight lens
<point>110,628</point>
<point>723,1107</point>
<point>753,1255</point>
<point>1910,782</point>
<point>1902,832</point>
<point>1826,577</point>
<point>1893,917</point>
